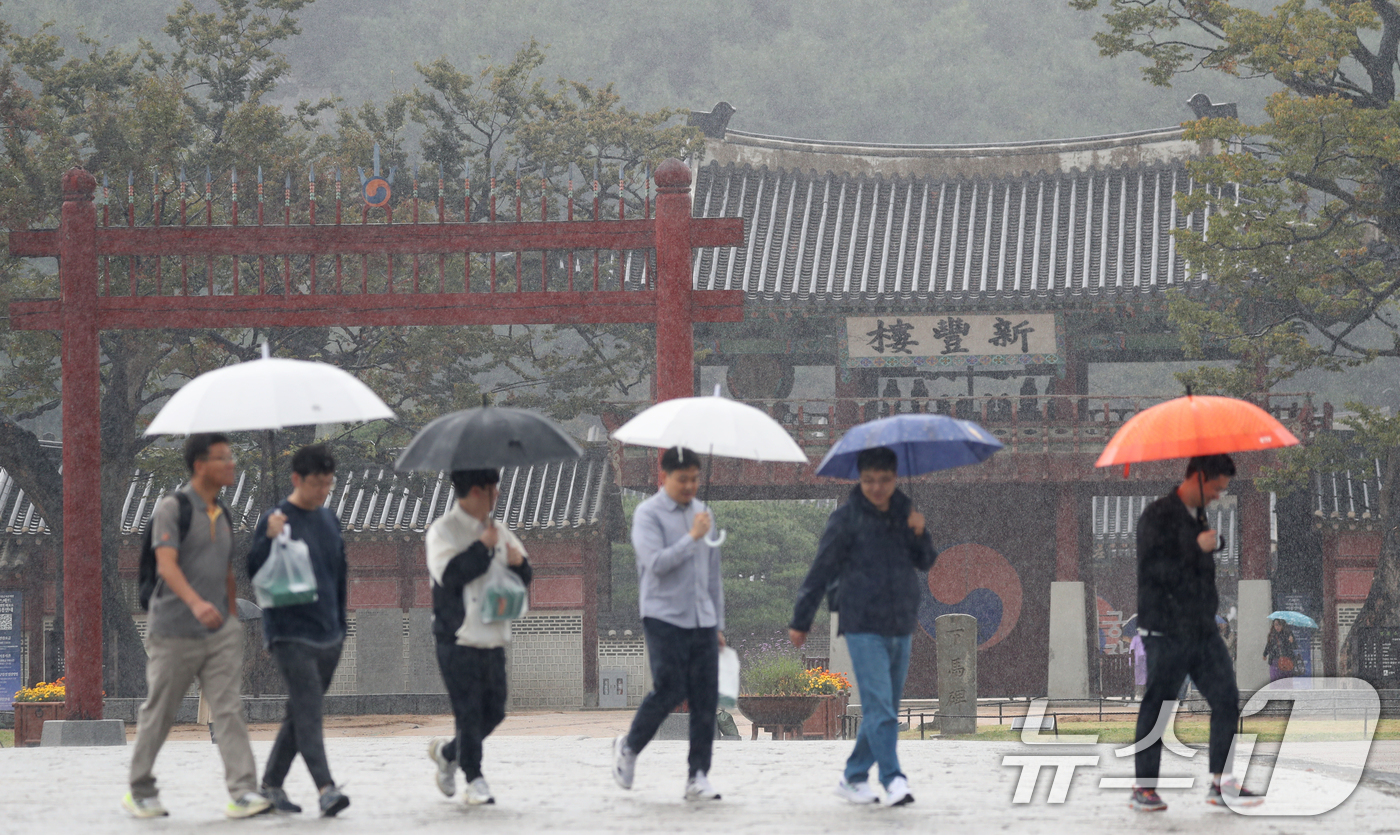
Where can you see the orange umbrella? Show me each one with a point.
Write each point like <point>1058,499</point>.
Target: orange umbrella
<point>1194,425</point>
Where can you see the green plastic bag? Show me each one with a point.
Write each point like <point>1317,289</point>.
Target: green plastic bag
<point>504,596</point>
<point>286,579</point>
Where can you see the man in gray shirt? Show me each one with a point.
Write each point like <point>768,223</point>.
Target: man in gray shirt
<point>682,603</point>
<point>192,632</point>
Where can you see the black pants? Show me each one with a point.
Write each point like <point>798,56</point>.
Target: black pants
<point>1206,659</point>
<point>476,685</point>
<point>684,667</point>
<point>308,671</point>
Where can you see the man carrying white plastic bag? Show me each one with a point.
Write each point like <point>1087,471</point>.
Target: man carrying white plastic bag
<point>480,572</point>
<point>303,628</point>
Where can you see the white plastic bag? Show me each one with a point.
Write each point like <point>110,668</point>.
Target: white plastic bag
<point>286,579</point>
<point>504,596</point>
<point>728,678</point>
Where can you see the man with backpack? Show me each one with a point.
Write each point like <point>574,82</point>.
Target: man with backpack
<point>305,639</point>
<point>192,630</point>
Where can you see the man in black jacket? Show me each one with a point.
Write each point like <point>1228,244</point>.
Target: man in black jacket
<point>1177,602</point>
<point>873,547</point>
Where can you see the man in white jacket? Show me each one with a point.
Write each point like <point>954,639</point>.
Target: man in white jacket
<point>471,654</point>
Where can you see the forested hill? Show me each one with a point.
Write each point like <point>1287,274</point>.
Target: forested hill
<point>927,71</point>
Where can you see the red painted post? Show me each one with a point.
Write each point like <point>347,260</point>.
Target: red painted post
<point>675,343</point>
<point>1255,535</point>
<point>82,448</point>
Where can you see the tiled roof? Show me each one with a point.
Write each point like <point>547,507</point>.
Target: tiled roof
<point>1046,240</point>
<point>1348,494</point>
<point>19,513</point>
<point>552,497</point>
<point>1115,519</point>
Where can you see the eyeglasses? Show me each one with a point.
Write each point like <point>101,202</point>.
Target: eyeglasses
<point>219,459</point>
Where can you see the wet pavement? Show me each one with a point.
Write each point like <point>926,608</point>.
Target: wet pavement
<point>550,773</point>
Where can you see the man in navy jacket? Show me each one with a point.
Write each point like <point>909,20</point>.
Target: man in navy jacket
<point>873,548</point>
<point>305,639</point>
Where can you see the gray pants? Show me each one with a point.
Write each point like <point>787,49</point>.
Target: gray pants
<point>174,664</point>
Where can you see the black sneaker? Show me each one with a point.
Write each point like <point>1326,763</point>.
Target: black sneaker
<point>1146,800</point>
<point>281,804</point>
<point>333,802</point>
<point>1231,790</point>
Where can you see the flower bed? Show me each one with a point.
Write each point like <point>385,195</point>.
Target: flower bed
<point>33,707</point>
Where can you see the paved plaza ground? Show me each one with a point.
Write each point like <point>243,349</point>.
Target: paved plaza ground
<point>550,773</point>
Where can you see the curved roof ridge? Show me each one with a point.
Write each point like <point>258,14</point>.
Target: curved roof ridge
<point>988,160</point>
<point>853,146</point>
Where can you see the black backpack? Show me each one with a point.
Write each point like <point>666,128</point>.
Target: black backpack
<point>146,572</point>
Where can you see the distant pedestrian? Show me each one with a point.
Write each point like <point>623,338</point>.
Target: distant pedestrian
<point>462,545</point>
<point>1138,653</point>
<point>305,639</point>
<point>1281,651</point>
<point>1228,634</point>
<point>192,632</point>
<point>873,547</point>
<point>1177,602</point>
<point>682,603</point>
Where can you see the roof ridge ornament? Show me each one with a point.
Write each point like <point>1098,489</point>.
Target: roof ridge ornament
<point>712,124</point>
<point>1204,108</point>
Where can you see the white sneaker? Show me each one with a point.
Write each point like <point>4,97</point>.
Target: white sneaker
<point>250,804</point>
<point>144,807</point>
<point>624,762</point>
<point>897,792</point>
<point>478,792</point>
<point>699,788</point>
<point>446,777</point>
<point>859,793</point>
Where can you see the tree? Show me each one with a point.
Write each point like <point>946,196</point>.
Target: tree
<point>874,70</point>
<point>207,103</point>
<point>1303,210</point>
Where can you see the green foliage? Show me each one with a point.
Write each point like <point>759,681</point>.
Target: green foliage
<point>875,70</point>
<point>1302,248</point>
<point>775,676</point>
<point>211,99</point>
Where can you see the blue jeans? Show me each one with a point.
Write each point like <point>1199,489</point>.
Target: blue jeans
<point>880,663</point>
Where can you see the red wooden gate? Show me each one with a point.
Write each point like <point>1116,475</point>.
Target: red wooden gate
<point>88,305</point>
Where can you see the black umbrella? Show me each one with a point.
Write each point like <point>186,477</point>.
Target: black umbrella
<point>487,438</point>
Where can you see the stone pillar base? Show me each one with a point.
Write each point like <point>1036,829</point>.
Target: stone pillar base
<point>66,732</point>
<point>1069,643</point>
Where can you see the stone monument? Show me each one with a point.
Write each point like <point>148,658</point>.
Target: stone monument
<point>956,638</point>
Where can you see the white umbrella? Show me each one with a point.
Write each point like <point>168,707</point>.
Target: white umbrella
<point>267,394</point>
<point>715,425</point>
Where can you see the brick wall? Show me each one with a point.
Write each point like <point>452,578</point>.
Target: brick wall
<point>546,660</point>
<point>625,653</point>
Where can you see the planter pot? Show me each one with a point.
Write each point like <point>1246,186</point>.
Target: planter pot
<point>825,721</point>
<point>30,718</point>
<point>782,715</point>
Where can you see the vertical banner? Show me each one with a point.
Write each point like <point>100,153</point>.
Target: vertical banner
<point>11,610</point>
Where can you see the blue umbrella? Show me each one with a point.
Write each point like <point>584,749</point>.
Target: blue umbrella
<point>1297,619</point>
<point>923,444</point>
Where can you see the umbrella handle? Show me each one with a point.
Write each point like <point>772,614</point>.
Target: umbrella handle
<point>713,541</point>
